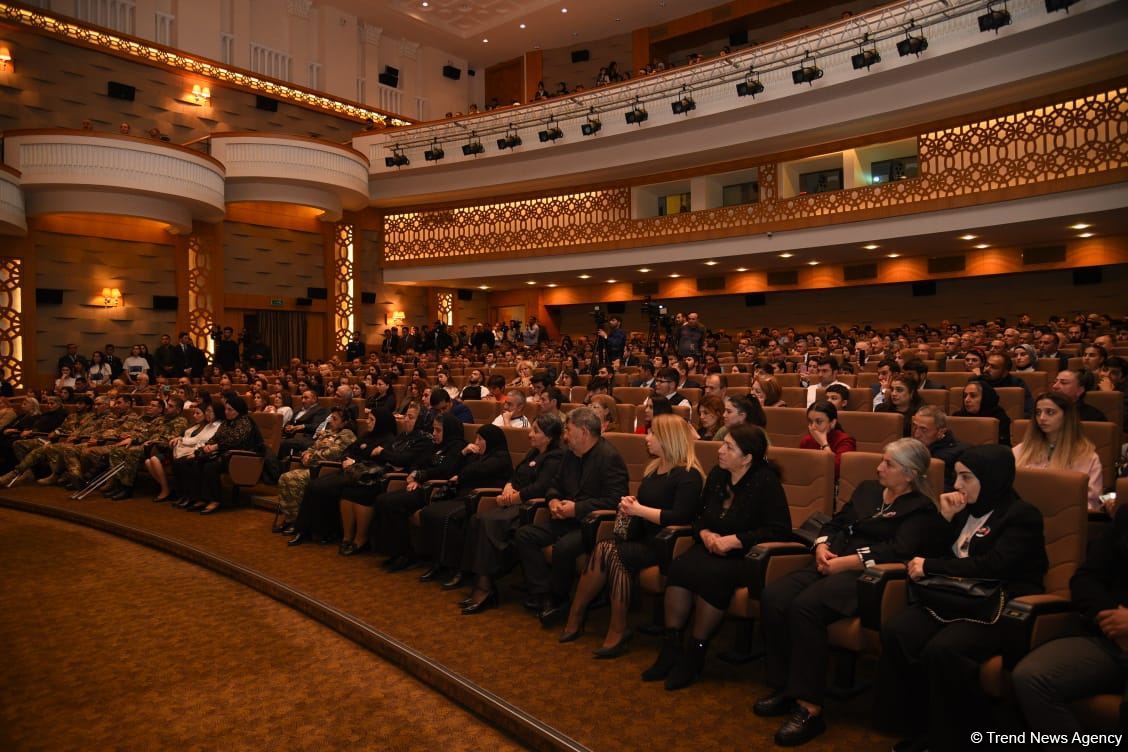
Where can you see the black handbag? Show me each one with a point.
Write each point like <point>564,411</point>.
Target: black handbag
<point>626,527</point>
<point>952,599</point>
<point>363,474</point>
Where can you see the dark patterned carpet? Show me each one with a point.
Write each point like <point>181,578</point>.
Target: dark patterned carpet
<point>601,704</point>
<point>112,645</point>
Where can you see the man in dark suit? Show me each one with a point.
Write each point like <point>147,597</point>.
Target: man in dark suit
<point>165,357</point>
<point>188,360</point>
<point>227,351</point>
<point>1074,385</point>
<point>298,433</point>
<point>645,376</point>
<point>70,359</point>
<point>114,362</point>
<point>593,476</point>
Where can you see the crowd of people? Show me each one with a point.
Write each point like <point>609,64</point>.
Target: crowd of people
<point>402,409</point>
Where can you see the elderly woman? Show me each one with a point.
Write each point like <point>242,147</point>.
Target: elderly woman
<point>891,519</point>
<point>237,432</point>
<point>199,433</point>
<point>980,400</point>
<point>929,672</point>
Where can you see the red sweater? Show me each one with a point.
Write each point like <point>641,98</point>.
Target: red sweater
<point>840,442</point>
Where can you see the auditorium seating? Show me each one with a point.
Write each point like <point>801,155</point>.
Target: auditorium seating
<point>974,430</point>
<point>1104,437</point>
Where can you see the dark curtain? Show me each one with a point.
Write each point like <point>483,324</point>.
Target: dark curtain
<point>284,332</point>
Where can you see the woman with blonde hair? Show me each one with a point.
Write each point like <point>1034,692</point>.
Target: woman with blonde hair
<point>524,375</point>
<point>1054,439</point>
<point>668,495</point>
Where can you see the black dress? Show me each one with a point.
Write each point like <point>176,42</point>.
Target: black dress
<point>240,433</point>
<point>488,549</point>
<point>758,512</point>
<point>318,513</point>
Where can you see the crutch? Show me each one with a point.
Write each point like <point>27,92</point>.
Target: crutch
<point>98,482</point>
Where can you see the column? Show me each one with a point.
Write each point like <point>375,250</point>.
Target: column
<point>199,283</point>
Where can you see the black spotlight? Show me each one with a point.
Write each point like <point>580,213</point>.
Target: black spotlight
<point>750,86</point>
<point>472,148</point>
<point>638,115</point>
<point>684,105</point>
<point>911,45</point>
<point>551,132</point>
<point>591,127</point>
<point>510,141</point>
<point>865,58</point>
<point>398,159</point>
<point>806,73</point>
<point>994,19</point>
<point>1052,6</point>
<point>435,153</point>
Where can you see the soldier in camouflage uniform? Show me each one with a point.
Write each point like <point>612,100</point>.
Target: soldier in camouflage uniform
<point>329,447</point>
<point>38,449</point>
<point>162,422</point>
<point>55,454</point>
<point>130,446</point>
<point>81,460</point>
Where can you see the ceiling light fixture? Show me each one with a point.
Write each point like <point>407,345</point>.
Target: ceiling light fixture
<point>807,72</point>
<point>483,287</point>
<point>435,153</point>
<point>638,115</point>
<point>644,270</point>
<point>786,255</point>
<point>521,26</point>
<point>473,146</point>
<point>750,86</point>
<point>398,158</point>
<point>995,19</point>
<point>866,56</point>
<point>911,45</point>
<point>742,268</point>
<point>1080,226</point>
<point>551,131</point>
<point>893,255</point>
<point>710,263</point>
<point>981,246</point>
<point>585,276</point>
<point>510,141</point>
<point>675,275</point>
<point>685,105</point>
<point>1086,234</point>
<point>551,284</point>
<point>968,237</point>
<point>612,281</point>
<point>592,126</point>
<point>812,263</point>
<point>871,247</point>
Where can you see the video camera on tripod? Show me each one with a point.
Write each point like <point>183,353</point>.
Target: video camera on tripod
<point>599,316</point>
<point>659,317</point>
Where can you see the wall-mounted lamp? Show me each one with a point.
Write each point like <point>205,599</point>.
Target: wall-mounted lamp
<point>5,59</point>
<point>398,317</point>
<point>201,95</point>
<point>111,297</point>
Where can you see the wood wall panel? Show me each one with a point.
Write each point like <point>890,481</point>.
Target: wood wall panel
<point>271,261</point>
<point>506,81</point>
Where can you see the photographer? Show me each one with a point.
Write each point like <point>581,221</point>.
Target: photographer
<point>690,337</point>
<point>614,339</point>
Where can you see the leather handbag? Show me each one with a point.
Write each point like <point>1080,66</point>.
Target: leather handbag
<point>953,599</point>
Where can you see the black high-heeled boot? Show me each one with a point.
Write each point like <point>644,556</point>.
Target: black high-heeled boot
<point>667,657</point>
<point>689,665</point>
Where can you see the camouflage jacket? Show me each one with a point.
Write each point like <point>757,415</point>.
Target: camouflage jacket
<point>329,447</point>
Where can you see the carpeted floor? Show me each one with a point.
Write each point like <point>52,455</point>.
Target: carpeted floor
<point>112,645</point>
<point>601,704</point>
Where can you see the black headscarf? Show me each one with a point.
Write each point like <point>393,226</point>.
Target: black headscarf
<point>989,399</point>
<point>993,467</point>
<point>452,431</point>
<point>494,438</point>
<point>237,403</point>
<point>384,424</point>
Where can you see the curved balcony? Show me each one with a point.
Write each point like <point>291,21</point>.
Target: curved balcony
<point>12,215</point>
<point>961,70</point>
<point>292,170</point>
<point>103,173</point>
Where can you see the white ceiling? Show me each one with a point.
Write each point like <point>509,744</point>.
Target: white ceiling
<point>459,26</point>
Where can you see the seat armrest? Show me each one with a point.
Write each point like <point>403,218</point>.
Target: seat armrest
<point>668,542</point>
<point>476,497</point>
<point>767,562</point>
<point>877,601</point>
<point>530,509</point>
<point>591,524</point>
<point>1031,620</point>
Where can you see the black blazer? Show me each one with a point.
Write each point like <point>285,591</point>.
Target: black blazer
<point>758,511</point>
<point>910,527</point>
<point>310,420</point>
<point>598,480</point>
<point>1010,546</point>
<point>536,472</point>
<point>1101,583</point>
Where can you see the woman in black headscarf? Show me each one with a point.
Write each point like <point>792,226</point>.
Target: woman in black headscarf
<point>485,464</point>
<point>238,432</point>
<point>980,400</point>
<point>318,515</point>
<point>929,673</point>
<point>393,509</point>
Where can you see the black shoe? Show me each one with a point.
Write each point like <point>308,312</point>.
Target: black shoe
<point>800,728</point>
<point>183,504</point>
<point>534,603</point>
<point>773,706</point>
<point>490,601</point>
<point>431,574</point>
<point>279,527</point>
<point>345,549</point>
<point>209,509</point>
<point>400,563</point>
<point>465,601</point>
<point>455,582</point>
<point>297,540</point>
<point>553,614</point>
<point>667,657</point>
<point>110,490</point>
<point>289,529</point>
<point>614,651</point>
<point>689,665</point>
<point>74,485</point>
<point>122,493</point>
<point>355,549</point>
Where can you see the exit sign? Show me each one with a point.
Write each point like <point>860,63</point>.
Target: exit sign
<point>277,302</point>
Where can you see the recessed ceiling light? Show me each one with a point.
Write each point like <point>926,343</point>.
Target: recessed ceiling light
<point>1080,226</point>
<point>812,263</point>
<point>893,255</point>
<point>1086,234</point>
<point>710,263</point>
<point>551,284</point>
<point>644,270</point>
<point>522,26</point>
<point>483,287</point>
<point>612,281</point>
<point>585,276</point>
<point>485,41</point>
<point>968,237</point>
<point>981,246</point>
<point>425,3</point>
<point>742,269</point>
<point>675,275</point>
<point>786,255</point>
<point>531,282</point>
<point>871,247</point>
<point>563,10</point>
